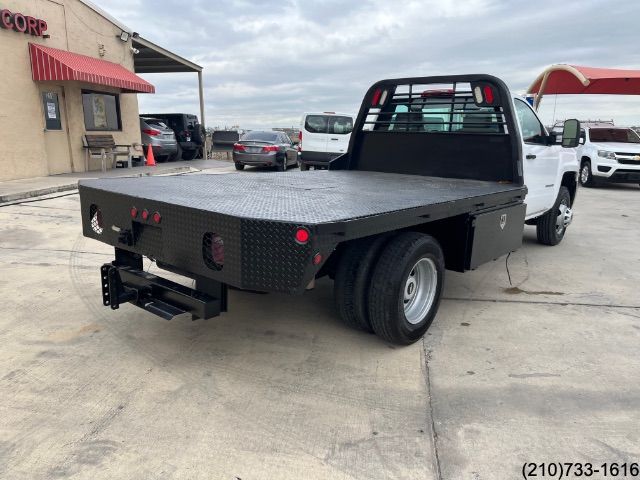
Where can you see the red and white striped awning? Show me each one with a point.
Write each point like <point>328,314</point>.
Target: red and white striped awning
<point>52,64</point>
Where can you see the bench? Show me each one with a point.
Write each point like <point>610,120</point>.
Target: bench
<point>105,147</point>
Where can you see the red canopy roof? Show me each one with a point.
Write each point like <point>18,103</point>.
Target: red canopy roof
<point>567,79</point>
<point>52,64</point>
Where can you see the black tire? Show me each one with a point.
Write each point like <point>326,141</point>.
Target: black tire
<point>189,154</point>
<point>351,283</point>
<point>546,227</point>
<point>585,177</point>
<point>283,166</point>
<point>239,166</point>
<point>303,167</point>
<point>388,283</point>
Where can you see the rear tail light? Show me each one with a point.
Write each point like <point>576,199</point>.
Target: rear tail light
<point>484,95</point>
<point>134,212</point>
<point>157,218</point>
<point>317,259</point>
<point>213,250</point>
<point>488,94</point>
<point>270,148</point>
<point>376,97</point>
<point>145,214</point>
<point>302,235</point>
<point>151,131</point>
<point>238,147</point>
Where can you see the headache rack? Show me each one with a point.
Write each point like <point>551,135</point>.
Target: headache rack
<point>450,108</point>
<point>460,126</point>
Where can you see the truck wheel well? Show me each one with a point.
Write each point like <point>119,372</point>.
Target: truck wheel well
<point>584,159</point>
<point>570,180</point>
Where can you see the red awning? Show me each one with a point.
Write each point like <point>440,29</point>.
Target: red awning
<point>573,79</point>
<point>52,64</point>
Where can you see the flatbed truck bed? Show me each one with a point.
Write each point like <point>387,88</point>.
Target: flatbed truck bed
<point>320,197</point>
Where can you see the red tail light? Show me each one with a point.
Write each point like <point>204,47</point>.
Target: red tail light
<point>376,97</point>
<point>270,148</point>
<point>134,212</point>
<point>238,147</point>
<point>300,135</point>
<point>157,218</point>
<point>145,214</point>
<point>302,235</point>
<point>151,131</point>
<point>488,94</point>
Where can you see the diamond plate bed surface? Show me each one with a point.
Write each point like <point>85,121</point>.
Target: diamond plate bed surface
<point>303,197</point>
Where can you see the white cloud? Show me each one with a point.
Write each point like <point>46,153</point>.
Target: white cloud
<point>266,62</point>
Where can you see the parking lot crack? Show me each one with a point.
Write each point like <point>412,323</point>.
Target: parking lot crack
<point>543,302</point>
<point>432,426</point>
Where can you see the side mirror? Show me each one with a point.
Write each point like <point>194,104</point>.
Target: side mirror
<point>571,134</point>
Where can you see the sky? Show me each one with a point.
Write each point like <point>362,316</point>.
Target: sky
<point>267,62</point>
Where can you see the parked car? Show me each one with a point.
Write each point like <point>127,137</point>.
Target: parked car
<point>609,154</point>
<point>323,137</point>
<point>162,139</point>
<point>189,132</point>
<point>265,148</point>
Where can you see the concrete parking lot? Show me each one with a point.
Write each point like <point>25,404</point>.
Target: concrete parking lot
<point>531,358</point>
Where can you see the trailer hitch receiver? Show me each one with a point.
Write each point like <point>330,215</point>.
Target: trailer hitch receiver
<point>167,299</point>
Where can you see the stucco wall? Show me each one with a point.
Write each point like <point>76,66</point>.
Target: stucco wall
<point>75,27</point>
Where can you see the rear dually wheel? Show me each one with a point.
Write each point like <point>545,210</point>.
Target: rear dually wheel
<point>406,287</point>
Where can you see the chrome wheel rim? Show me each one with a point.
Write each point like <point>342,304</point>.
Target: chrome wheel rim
<point>420,290</point>
<point>584,174</point>
<point>565,215</point>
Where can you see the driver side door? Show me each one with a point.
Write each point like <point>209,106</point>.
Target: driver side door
<point>540,163</point>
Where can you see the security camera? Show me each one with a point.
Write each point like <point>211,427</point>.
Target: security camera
<point>135,50</point>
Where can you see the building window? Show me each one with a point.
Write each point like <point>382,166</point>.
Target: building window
<point>101,111</point>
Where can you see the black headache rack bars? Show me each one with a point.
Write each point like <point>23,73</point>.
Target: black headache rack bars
<point>124,280</point>
<point>446,109</point>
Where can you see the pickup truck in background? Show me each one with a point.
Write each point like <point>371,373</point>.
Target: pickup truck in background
<point>433,179</point>
<point>609,154</point>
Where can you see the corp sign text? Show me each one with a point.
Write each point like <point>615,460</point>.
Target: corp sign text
<point>22,23</point>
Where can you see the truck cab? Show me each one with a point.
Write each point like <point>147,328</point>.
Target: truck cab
<point>550,172</point>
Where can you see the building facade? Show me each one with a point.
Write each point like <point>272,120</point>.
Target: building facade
<point>50,97</point>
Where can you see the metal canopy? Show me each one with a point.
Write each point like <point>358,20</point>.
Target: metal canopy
<point>574,79</point>
<point>155,59</point>
<point>152,58</point>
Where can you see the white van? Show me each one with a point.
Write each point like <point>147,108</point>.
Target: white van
<point>323,137</point>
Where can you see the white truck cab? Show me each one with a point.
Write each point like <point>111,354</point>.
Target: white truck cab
<point>550,174</point>
<point>609,154</point>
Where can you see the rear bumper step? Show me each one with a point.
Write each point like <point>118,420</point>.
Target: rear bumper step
<point>162,297</point>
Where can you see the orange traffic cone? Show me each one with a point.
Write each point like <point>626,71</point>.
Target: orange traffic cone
<point>151,161</point>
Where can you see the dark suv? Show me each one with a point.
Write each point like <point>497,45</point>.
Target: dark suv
<point>189,132</point>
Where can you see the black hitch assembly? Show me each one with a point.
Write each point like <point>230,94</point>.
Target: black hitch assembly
<point>162,297</point>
